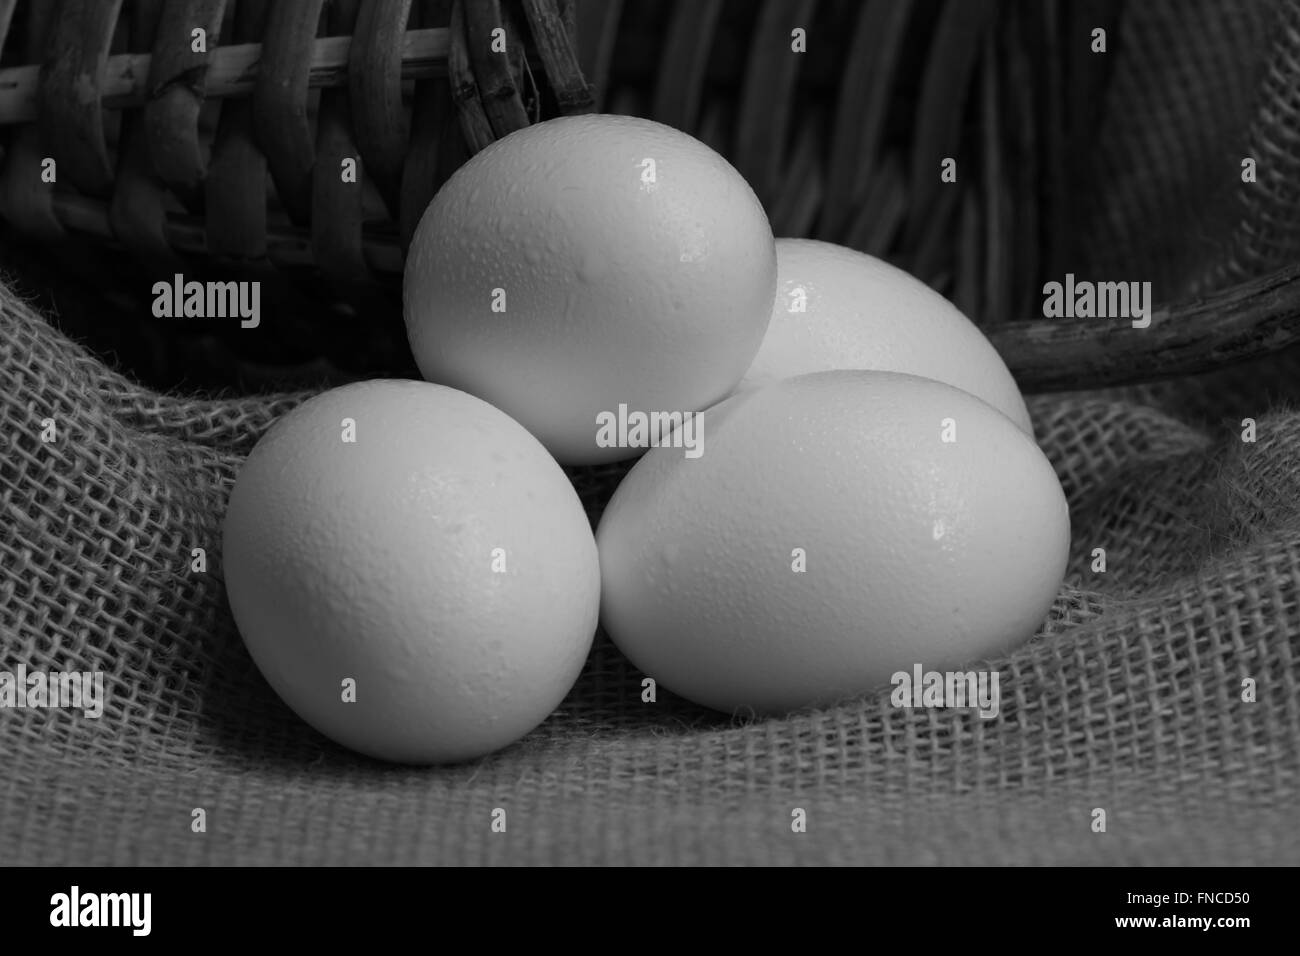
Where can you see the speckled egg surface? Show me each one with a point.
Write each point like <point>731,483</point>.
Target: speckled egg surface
<point>441,562</point>
<point>587,262</point>
<point>838,527</point>
<point>837,308</point>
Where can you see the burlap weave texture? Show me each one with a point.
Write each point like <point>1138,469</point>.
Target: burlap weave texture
<point>1129,699</point>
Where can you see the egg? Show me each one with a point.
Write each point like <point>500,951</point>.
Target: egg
<point>836,528</point>
<point>411,571</point>
<point>587,263</point>
<point>837,308</point>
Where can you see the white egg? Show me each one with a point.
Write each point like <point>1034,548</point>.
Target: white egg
<point>836,308</point>
<point>585,263</point>
<point>837,528</point>
<point>426,592</point>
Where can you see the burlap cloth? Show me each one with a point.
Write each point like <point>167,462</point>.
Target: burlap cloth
<point>1128,700</point>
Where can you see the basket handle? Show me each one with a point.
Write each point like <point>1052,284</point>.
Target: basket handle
<point>1241,322</point>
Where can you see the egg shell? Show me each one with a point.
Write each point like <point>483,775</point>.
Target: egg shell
<point>837,308</point>
<point>587,262</point>
<point>916,549</point>
<point>442,561</point>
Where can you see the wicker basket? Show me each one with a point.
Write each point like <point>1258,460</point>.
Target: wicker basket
<point>162,152</point>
